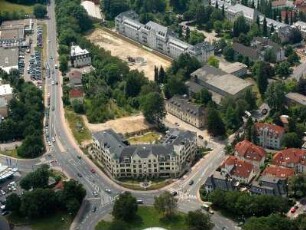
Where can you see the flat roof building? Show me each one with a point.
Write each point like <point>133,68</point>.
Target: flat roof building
<point>217,81</point>
<point>9,58</point>
<point>237,68</point>
<point>295,99</point>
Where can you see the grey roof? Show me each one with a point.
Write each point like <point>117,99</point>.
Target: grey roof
<point>129,14</point>
<point>8,57</point>
<point>297,97</point>
<point>206,71</point>
<point>201,46</point>
<point>186,106</point>
<point>193,87</point>
<point>3,102</point>
<point>247,12</point>
<point>262,43</point>
<point>269,185</point>
<point>75,78</point>
<point>246,51</point>
<point>219,181</point>
<point>121,150</point>
<point>12,34</point>
<point>161,30</point>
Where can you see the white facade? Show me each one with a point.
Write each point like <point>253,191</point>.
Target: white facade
<point>171,158</point>
<point>159,37</point>
<point>79,57</point>
<point>6,92</point>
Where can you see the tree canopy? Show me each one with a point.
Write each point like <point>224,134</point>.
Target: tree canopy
<point>125,207</point>
<point>166,204</point>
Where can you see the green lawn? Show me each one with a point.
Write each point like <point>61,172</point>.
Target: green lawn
<point>148,217</point>
<point>134,184</point>
<point>60,221</point>
<point>80,131</point>
<point>11,153</point>
<point>10,7</point>
<point>149,137</point>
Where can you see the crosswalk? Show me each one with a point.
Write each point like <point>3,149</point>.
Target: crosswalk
<point>181,195</point>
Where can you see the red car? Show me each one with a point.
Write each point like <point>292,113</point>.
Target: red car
<point>92,170</point>
<point>292,210</point>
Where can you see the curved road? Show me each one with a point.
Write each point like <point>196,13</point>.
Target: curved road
<point>66,155</point>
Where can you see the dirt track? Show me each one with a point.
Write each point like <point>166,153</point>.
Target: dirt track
<point>123,49</point>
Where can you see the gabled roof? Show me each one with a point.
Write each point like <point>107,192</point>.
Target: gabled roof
<point>278,171</point>
<point>240,168</point>
<point>290,156</point>
<point>245,50</point>
<point>249,151</point>
<point>186,106</point>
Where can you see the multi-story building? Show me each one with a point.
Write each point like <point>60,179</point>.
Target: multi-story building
<point>234,11</point>
<point>159,38</point>
<point>268,135</point>
<point>237,169</point>
<point>246,150</point>
<point>220,181</point>
<point>186,111</point>
<point>269,185</point>
<point>291,158</point>
<point>79,57</point>
<point>171,158</point>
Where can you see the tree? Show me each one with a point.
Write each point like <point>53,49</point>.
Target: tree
<point>37,179</point>
<point>197,220</point>
<point>134,82</point>
<point>125,207</point>
<point>187,34</point>
<point>213,61</point>
<point>293,59</point>
<point>156,77</point>
<point>39,11</point>
<point>297,186</point>
<point>275,96</point>
<point>291,140</point>
<point>13,202</point>
<point>262,77</point>
<point>270,55</point>
<point>166,204</point>
<point>196,37</point>
<point>240,26</point>
<point>283,69</point>
<point>301,86</point>
<point>78,106</point>
<point>250,98</point>
<point>229,53</point>
<point>218,27</point>
<point>272,222</point>
<point>203,97</point>
<point>153,109</point>
<point>215,125</point>
<point>264,27</point>
<point>162,75</point>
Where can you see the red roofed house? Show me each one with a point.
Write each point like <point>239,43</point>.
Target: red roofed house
<point>268,135</point>
<point>278,171</point>
<point>246,150</point>
<point>76,94</point>
<point>238,169</point>
<point>291,158</point>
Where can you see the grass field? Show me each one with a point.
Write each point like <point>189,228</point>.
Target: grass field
<point>59,220</point>
<point>149,137</point>
<point>10,7</point>
<point>79,130</point>
<point>11,153</point>
<point>148,217</point>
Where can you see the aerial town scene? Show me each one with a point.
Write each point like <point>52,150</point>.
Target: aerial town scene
<point>152,115</point>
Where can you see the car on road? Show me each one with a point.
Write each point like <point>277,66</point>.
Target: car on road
<point>211,211</point>
<point>55,66</point>
<point>95,193</point>
<point>293,210</point>
<point>92,170</point>
<point>177,124</point>
<point>52,82</point>
<point>79,174</point>
<point>201,137</point>
<point>108,190</point>
<point>174,193</point>
<point>94,209</point>
<point>53,139</point>
<point>191,182</point>
<point>139,201</point>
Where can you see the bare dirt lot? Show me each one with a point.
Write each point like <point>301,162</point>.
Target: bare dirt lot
<point>145,60</point>
<point>124,125</point>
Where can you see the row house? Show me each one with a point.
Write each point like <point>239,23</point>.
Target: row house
<point>291,158</point>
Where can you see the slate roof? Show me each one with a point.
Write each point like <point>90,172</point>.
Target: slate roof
<point>186,106</point>
<point>246,51</point>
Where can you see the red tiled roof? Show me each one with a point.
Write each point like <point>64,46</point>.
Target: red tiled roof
<point>274,128</point>
<point>249,151</point>
<point>241,168</point>
<point>75,74</point>
<point>289,156</point>
<point>73,93</point>
<point>279,172</point>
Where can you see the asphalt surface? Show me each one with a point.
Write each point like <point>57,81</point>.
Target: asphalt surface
<point>65,155</point>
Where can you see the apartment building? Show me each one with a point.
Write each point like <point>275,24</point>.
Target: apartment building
<point>291,158</point>
<point>159,38</point>
<point>79,57</point>
<point>170,158</point>
<point>186,111</point>
<point>246,150</point>
<point>268,135</point>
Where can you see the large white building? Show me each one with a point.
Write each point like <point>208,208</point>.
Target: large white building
<point>79,57</point>
<point>159,38</point>
<point>170,158</point>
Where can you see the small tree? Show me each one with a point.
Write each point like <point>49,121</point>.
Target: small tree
<point>125,207</point>
<point>215,125</point>
<point>165,204</point>
<point>197,220</point>
<point>153,108</point>
<point>213,61</point>
<point>39,11</point>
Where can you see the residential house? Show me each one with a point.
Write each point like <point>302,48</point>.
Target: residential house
<point>237,169</point>
<point>278,171</point>
<point>213,79</point>
<point>268,135</point>
<point>186,111</point>
<point>234,11</point>
<point>219,181</point>
<point>75,79</point>
<point>170,158</point>
<point>246,150</point>
<point>79,57</point>
<point>269,185</point>
<point>291,158</point>
<point>76,94</point>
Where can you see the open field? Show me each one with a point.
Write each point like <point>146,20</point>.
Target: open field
<point>145,60</point>
<point>149,217</point>
<point>124,125</point>
<point>10,7</point>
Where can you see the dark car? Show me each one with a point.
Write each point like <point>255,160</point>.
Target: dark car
<point>174,193</point>
<point>79,175</point>
<point>191,182</point>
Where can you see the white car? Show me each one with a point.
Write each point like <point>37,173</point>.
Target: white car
<point>52,82</point>
<point>53,139</point>
<point>49,143</point>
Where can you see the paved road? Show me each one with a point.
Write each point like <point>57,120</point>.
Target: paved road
<point>299,71</point>
<point>66,155</point>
